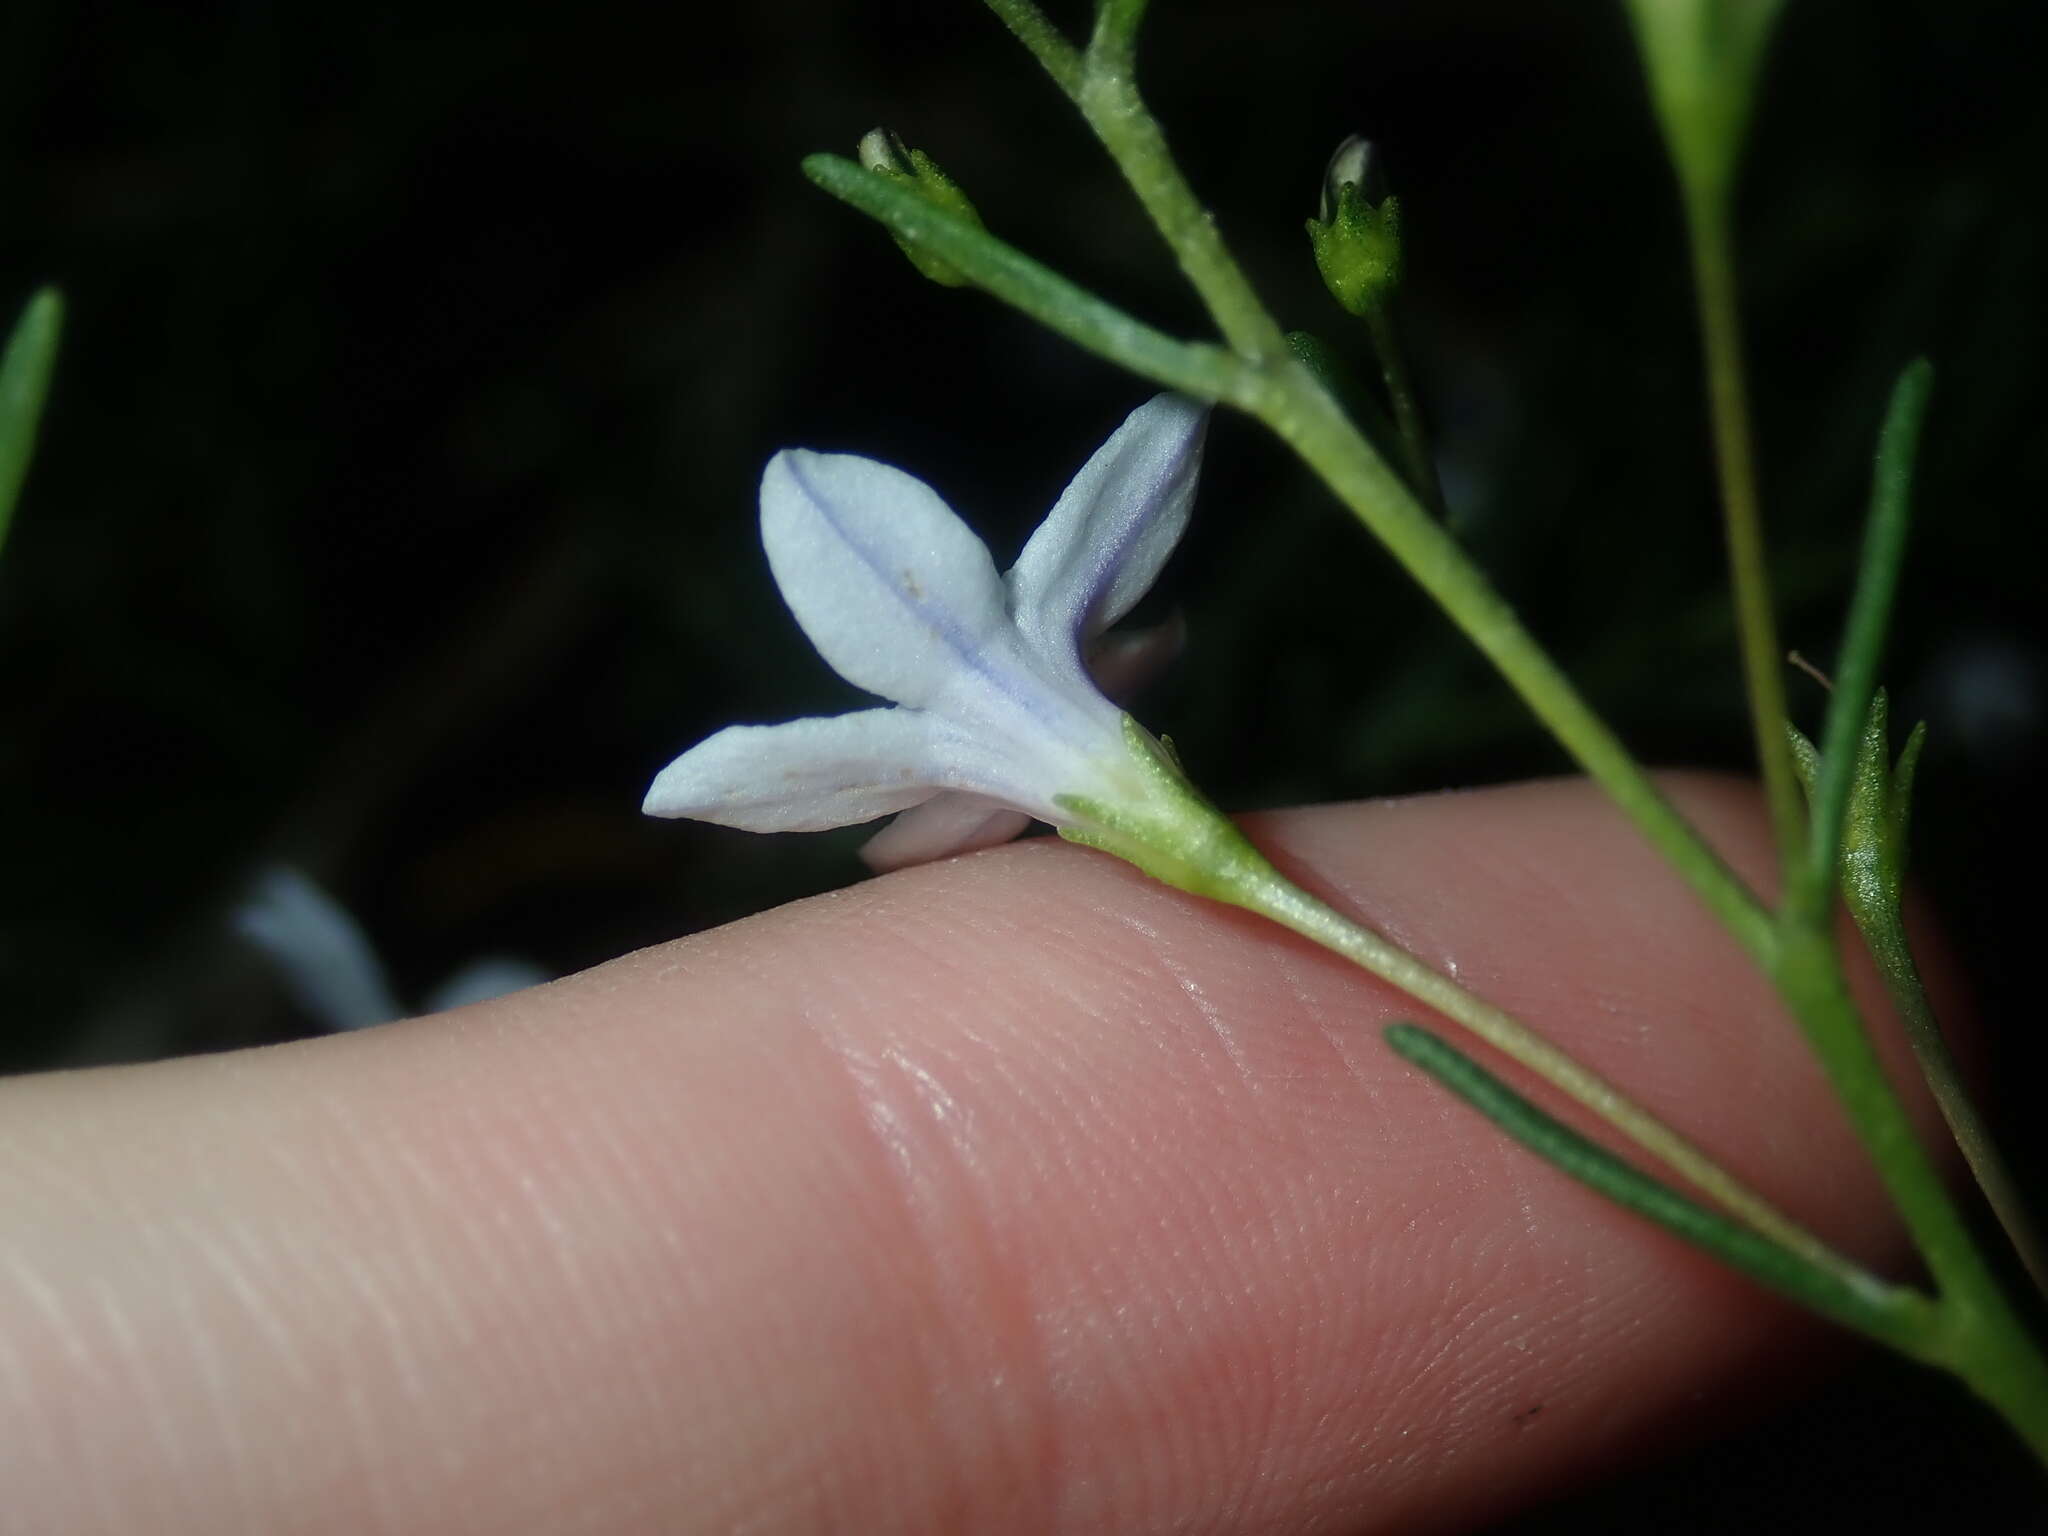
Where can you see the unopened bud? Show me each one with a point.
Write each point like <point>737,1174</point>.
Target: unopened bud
<point>883,152</point>
<point>1357,233</point>
<point>1358,161</point>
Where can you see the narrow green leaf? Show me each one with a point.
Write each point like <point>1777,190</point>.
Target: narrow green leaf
<point>1196,368</point>
<point>24,380</point>
<point>1893,1315</point>
<point>1877,582</point>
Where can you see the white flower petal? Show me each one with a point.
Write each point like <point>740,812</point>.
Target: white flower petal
<point>324,957</point>
<point>804,776</point>
<point>1103,544</point>
<point>894,590</point>
<point>946,824</point>
<point>482,979</point>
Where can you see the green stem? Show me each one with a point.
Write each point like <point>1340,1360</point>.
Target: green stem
<point>1386,345</point>
<point>1308,420</point>
<point>1198,368</point>
<point>1893,1315</point>
<point>1986,1343</point>
<point>1885,933</point>
<point>1114,43</point>
<point>1109,100</point>
<point>1855,760</point>
<point>1249,881</point>
<point>1714,280</point>
<point>1306,417</point>
<point>1028,24</point>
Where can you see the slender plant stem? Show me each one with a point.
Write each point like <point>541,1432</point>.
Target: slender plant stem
<point>1306,417</point>
<point>1109,100</point>
<point>1028,24</point>
<point>1114,43</point>
<point>1311,422</point>
<point>1985,1343</point>
<point>1255,885</point>
<point>1379,320</point>
<point>1198,368</point>
<point>1859,800</point>
<point>1885,933</point>
<point>1720,330</point>
<point>1893,1315</point>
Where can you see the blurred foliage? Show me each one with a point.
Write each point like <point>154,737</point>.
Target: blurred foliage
<point>394,510</point>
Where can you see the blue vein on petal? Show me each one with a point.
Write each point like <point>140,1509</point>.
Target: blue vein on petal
<point>935,619</point>
<point>1106,571</point>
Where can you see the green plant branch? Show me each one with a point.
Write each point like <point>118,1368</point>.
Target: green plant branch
<point>1114,43</point>
<point>1312,423</point>
<point>1884,930</point>
<point>1386,345</point>
<point>1198,368</point>
<point>1109,100</point>
<point>1853,768</point>
<point>1984,1340</point>
<point>1100,83</point>
<point>1168,829</point>
<point>1809,896</point>
<point>1893,1315</point>
<point>1046,43</point>
<point>1255,885</point>
<point>1749,571</point>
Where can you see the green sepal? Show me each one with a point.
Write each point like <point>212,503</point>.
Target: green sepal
<point>25,368</point>
<point>883,153</point>
<point>1166,827</point>
<point>1358,249</point>
<point>1874,843</point>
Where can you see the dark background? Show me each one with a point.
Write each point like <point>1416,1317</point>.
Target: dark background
<point>394,510</point>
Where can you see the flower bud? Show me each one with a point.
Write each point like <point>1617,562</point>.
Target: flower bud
<point>1357,233</point>
<point>884,153</point>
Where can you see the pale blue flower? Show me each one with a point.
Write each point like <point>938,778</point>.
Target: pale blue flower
<point>996,718</point>
<point>330,967</point>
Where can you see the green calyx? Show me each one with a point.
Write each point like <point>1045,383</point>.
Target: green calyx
<point>1880,809</point>
<point>882,152</point>
<point>1164,826</point>
<point>1356,233</point>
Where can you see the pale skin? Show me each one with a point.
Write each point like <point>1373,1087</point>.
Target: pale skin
<point>1012,1193</point>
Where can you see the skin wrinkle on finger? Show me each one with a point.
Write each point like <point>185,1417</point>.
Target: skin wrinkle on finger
<point>980,1386</point>
<point>1328,1303</point>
